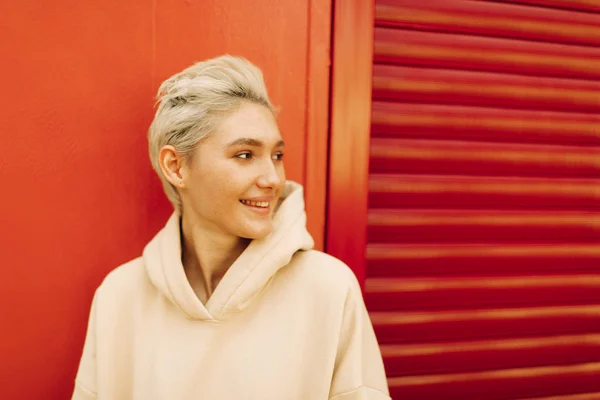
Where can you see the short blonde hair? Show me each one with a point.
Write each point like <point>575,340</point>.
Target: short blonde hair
<point>192,102</point>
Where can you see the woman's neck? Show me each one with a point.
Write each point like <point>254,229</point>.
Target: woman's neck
<point>207,255</point>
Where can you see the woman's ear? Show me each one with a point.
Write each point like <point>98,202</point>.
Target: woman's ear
<point>172,166</point>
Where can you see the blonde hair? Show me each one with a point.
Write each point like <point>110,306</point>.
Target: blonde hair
<point>192,102</point>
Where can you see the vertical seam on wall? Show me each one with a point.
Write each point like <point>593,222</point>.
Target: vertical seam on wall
<point>307,95</point>
<point>329,120</point>
<point>153,44</point>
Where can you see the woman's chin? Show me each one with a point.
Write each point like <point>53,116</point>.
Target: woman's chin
<point>256,233</point>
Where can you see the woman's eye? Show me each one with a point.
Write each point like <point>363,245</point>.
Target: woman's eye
<point>244,156</point>
<point>278,156</point>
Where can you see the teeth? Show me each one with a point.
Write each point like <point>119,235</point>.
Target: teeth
<point>263,204</point>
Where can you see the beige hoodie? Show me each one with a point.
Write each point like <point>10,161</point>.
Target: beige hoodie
<point>285,322</point>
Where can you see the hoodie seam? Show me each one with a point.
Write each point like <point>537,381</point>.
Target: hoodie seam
<point>224,308</point>
<point>357,389</point>
<point>84,389</point>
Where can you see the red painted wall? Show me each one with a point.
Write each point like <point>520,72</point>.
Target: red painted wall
<point>78,194</point>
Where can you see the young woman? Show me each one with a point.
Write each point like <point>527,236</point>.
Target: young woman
<point>228,301</point>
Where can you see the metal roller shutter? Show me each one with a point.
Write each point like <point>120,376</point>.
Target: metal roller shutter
<point>483,254</point>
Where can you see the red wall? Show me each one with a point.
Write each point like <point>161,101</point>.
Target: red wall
<point>78,194</point>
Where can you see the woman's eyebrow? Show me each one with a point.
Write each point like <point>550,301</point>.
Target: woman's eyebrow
<point>252,142</point>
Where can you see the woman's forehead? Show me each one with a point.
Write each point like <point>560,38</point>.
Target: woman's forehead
<point>252,125</point>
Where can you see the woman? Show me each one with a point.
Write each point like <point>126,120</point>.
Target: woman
<point>228,301</point>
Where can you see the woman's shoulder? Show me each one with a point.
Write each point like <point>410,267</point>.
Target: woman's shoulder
<point>123,279</point>
<point>322,269</point>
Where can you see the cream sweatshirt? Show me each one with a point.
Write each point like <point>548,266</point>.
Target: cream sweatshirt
<point>285,323</point>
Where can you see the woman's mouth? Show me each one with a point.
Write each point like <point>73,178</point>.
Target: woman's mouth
<point>259,204</point>
<point>259,207</point>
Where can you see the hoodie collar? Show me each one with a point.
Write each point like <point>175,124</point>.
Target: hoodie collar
<point>246,277</point>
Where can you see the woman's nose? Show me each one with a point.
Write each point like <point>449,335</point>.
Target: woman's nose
<point>270,176</point>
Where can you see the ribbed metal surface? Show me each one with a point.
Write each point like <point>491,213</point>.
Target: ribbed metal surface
<point>581,396</point>
<point>483,255</point>
<point>448,259</point>
<point>445,293</point>
<point>481,192</point>
<point>448,357</point>
<point>478,158</point>
<point>452,226</point>
<point>485,54</point>
<point>569,5</point>
<point>458,87</point>
<point>410,120</point>
<point>489,19</point>
<point>501,384</point>
<point>423,327</point>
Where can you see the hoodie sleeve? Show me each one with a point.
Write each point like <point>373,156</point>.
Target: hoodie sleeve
<point>85,382</point>
<point>358,372</point>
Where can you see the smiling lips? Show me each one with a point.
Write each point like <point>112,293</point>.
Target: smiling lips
<point>261,207</point>
<point>260,204</point>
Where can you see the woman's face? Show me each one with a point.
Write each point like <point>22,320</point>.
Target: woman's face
<point>235,177</point>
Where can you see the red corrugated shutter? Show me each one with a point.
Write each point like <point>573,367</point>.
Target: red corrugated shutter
<point>483,255</point>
